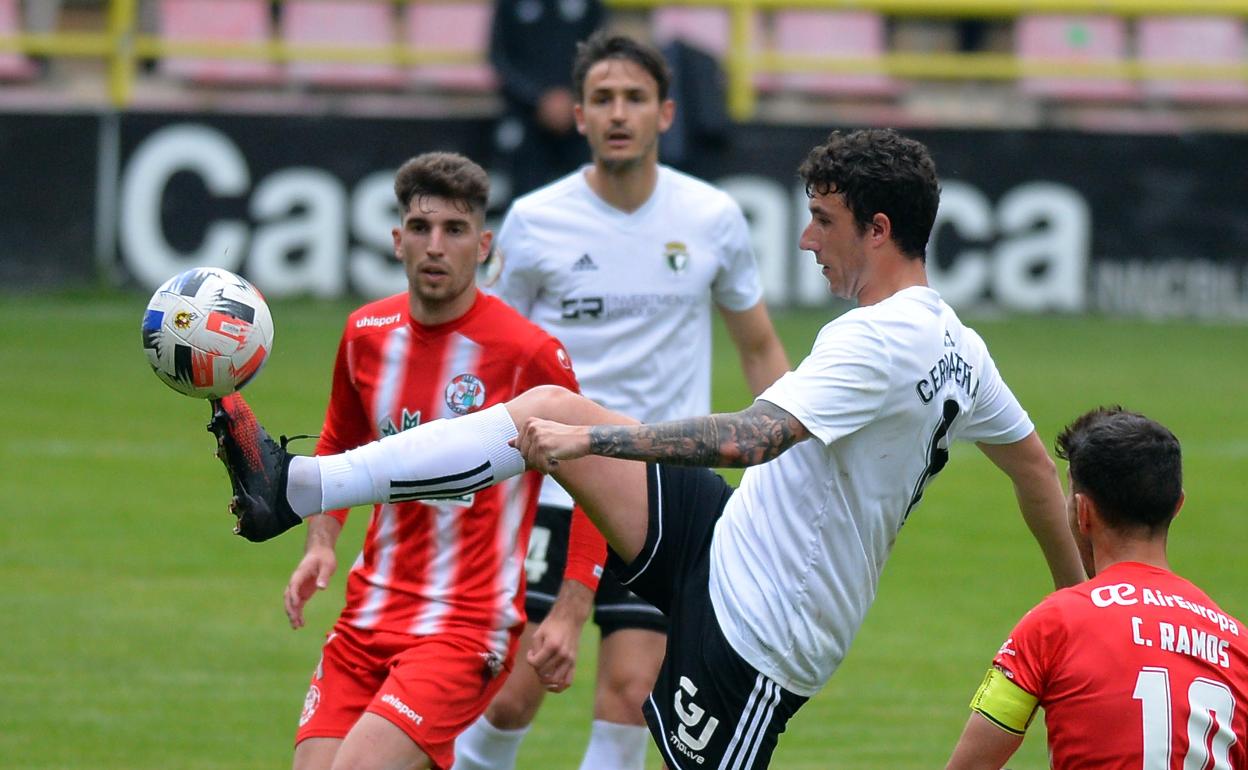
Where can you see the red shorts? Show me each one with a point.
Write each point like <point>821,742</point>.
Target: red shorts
<point>431,687</point>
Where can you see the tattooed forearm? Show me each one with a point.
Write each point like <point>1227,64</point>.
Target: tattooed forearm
<point>737,440</point>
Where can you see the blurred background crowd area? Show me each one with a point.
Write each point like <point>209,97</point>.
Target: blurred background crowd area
<point>1155,66</point>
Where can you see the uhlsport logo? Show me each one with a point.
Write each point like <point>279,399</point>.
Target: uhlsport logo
<point>310,702</point>
<point>677,256</point>
<point>465,393</point>
<point>402,708</point>
<point>373,320</point>
<point>691,714</point>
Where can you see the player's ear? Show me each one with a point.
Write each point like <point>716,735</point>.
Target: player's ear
<point>1084,508</point>
<point>483,246</point>
<point>1179,505</point>
<point>667,113</point>
<point>397,235</point>
<point>578,112</point>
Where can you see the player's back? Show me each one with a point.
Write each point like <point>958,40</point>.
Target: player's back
<point>1140,665</point>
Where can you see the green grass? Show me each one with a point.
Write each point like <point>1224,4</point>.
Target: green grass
<point>138,633</point>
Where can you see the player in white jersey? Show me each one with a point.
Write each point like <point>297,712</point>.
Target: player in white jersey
<point>764,589</point>
<point>622,261</point>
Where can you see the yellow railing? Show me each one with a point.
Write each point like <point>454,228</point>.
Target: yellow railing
<point>121,45</point>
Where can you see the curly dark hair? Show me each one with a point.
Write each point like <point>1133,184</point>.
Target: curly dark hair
<point>446,175</point>
<point>879,171</point>
<point>1131,466</point>
<point>604,45</point>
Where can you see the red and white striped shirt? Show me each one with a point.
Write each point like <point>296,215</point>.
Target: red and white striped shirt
<point>426,568</point>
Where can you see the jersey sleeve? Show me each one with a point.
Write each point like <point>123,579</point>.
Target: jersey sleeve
<point>997,417</point>
<point>345,418</point>
<point>587,551</point>
<point>840,386</point>
<point>1031,650</point>
<point>738,285</point>
<point>549,365</point>
<point>520,278</point>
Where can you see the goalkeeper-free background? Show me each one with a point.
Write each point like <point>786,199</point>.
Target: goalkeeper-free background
<point>137,632</point>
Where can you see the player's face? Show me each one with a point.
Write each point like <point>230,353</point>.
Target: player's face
<point>621,116</point>
<point>440,245</point>
<point>840,247</point>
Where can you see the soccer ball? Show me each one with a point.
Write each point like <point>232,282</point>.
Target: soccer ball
<point>207,332</point>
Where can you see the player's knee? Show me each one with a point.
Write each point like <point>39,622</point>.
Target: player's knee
<point>621,695</point>
<point>514,708</point>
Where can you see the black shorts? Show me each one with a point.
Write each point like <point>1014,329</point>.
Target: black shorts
<point>709,708</point>
<point>615,607</point>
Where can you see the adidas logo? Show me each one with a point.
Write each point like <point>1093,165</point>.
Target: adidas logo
<point>584,263</point>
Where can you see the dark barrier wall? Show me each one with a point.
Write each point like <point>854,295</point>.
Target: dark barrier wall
<point>1029,221</point>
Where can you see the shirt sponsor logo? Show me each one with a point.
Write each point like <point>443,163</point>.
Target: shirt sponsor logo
<point>402,708</point>
<point>465,393</point>
<point>1118,593</point>
<point>374,320</point>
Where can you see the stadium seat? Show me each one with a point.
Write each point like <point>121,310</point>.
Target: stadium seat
<point>217,21</point>
<point>708,29</point>
<point>347,24</point>
<point>1195,39</point>
<point>1056,39</point>
<point>848,34</point>
<point>13,66</point>
<point>458,27</point>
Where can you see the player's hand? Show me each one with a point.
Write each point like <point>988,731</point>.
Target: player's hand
<point>553,654</point>
<point>544,443</point>
<point>313,573</point>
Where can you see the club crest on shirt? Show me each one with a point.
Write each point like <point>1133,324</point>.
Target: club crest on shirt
<point>465,393</point>
<point>677,256</point>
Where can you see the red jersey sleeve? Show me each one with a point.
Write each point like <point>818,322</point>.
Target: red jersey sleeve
<point>587,550</point>
<point>1033,648</point>
<point>346,422</point>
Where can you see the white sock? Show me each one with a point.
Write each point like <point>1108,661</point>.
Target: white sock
<point>485,747</point>
<point>613,746</point>
<point>443,458</point>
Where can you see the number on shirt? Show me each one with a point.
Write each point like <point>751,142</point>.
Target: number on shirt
<point>937,454</point>
<point>1212,708</point>
<point>535,562</point>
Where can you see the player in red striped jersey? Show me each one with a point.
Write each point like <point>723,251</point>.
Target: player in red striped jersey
<point>1137,667</point>
<point>435,600</point>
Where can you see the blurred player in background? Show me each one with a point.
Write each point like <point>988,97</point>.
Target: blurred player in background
<point>531,43</point>
<point>764,589</point>
<point>622,260</point>
<point>1137,667</point>
<point>433,611</point>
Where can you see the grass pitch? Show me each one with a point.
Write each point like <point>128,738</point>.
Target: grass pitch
<point>139,633</point>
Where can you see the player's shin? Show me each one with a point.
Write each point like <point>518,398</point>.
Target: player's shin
<point>437,460</point>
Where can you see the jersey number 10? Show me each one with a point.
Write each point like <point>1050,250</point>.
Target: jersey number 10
<point>1209,731</point>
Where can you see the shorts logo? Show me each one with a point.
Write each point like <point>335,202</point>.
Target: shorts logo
<point>677,256</point>
<point>465,393</point>
<point>402,708</point>
<point>691,716</point>
<point>1118,593</point>
<point>310,702</point>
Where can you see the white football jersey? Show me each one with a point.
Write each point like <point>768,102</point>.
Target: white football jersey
<point>629,294</point>
<point>797,556</point>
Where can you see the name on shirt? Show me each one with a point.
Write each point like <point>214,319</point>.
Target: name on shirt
<point>1182,640</point>
<point>950,367</point>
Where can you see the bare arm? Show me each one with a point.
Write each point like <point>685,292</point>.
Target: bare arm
<point>752,436</point>
<point>556,641</point>
<point>749,437</point>
<point>1042,504</point>
<point>315,569</point>
<point>983,746</point>
<point>762,356</point>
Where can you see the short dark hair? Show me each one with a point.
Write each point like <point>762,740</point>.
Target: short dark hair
<point>1131,466</point>
<point>602,45</point>
<point>446,175</point>
<point>879,171</point>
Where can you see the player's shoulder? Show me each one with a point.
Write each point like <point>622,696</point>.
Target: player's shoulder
<point>378,316</point>
<point>707,197</point>
<point>545,200</point>
<point>504,323</point>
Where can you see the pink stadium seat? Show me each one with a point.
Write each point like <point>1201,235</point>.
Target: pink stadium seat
<point>228,21</point>
<point>1074,38</point>
<point>344,23</point>
<point>460,27</point>
<point>13,66</point>
<point>1204,40</point>
<point>848,34</point>
<point>706,28</point>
